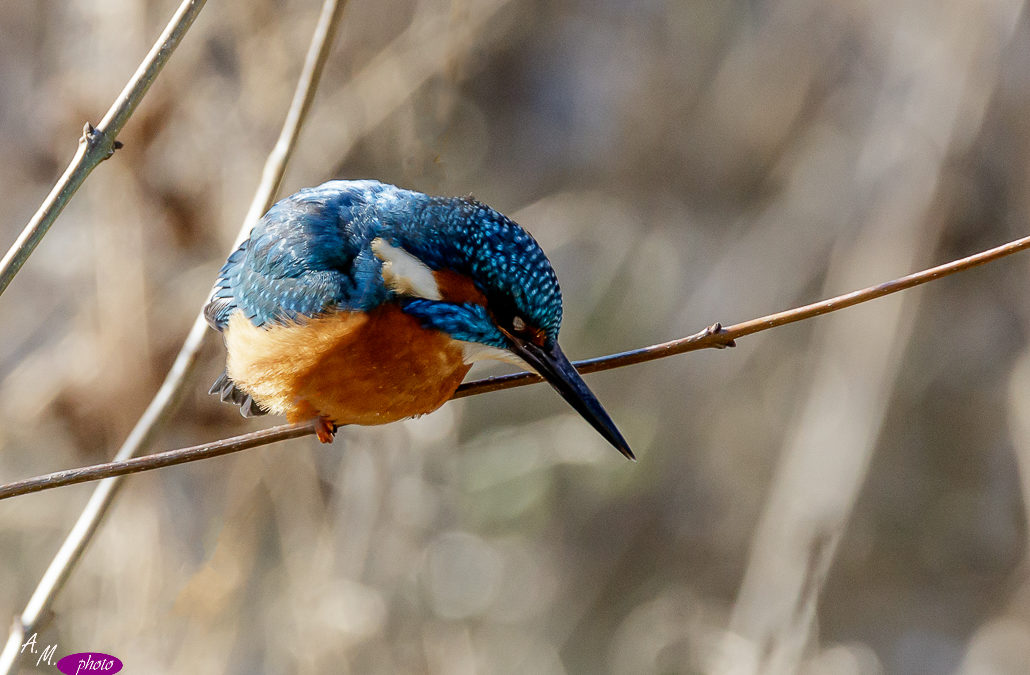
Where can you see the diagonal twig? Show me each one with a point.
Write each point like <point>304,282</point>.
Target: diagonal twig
<point>164,401</point>
<point>157,460</point>
<point>98,143</point>
<point>713,336</point>
<point>303,97</point>
<point>716,336</point>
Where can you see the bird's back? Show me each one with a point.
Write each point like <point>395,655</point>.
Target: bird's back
<point>311,253</point>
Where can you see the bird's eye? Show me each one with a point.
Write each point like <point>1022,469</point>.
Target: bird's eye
<point>518,324</point>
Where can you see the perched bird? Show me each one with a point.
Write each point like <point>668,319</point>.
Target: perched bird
<point>357,302</point>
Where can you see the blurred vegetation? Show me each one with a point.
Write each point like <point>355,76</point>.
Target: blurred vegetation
<point>682,163</point>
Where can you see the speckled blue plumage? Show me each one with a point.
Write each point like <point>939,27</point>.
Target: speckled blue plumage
<point>311,254</point>
<point>356,302</point>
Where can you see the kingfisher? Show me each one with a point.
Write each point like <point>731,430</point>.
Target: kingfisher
<point>358,302</point>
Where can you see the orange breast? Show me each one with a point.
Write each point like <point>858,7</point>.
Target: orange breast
<point>351,367</point>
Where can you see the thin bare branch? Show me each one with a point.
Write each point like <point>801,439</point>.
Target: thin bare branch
<point>303,97</point>
<point>98,143</point>
<point>164,401</point>
<point>157,460</point>
<point>714,336</point>
<point>717,336</point>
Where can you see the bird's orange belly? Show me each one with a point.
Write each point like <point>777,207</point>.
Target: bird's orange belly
<point>349,367</point>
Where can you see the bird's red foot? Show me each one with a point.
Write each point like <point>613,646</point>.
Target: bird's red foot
<point>325,430</point>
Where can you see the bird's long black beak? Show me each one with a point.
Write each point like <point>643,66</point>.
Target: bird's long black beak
<point>551,363</point>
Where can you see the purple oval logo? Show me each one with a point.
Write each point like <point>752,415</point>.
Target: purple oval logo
<point>89,663</point>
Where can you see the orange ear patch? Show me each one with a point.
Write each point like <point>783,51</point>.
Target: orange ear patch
<point>537,336</point>
<point>457,288</point>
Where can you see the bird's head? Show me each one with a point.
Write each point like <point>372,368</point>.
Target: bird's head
<point>462,268</point>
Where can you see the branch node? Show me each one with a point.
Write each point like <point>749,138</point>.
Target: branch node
<point>88,133</point>
<point>96,139</point>
<point>717,329</point>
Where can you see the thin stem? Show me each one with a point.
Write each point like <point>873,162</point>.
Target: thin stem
<point>717,336</point>
<point>303,97</point>
<point>97,144</point>
<point>713,336</point>
<point>157,460</point>
<point>163,403</point>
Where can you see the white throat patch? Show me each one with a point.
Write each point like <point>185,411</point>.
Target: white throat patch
<point>405,274</point>
<point>476,351</point>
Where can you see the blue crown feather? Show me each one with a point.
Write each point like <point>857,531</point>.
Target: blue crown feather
<point>311,253</point>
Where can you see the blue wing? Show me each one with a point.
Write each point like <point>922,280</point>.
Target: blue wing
<point>308,255</point>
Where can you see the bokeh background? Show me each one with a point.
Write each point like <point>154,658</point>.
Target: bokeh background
<point>845,495</point>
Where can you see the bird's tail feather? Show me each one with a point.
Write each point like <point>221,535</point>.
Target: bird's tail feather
<point>228,392</point>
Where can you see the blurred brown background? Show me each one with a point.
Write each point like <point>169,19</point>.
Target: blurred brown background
<point>683,163</point>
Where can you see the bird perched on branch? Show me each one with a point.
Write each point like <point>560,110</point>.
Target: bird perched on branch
<point>357,302</point>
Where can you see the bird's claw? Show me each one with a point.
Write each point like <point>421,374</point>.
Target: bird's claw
<point>325,430</point>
